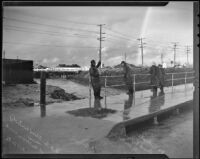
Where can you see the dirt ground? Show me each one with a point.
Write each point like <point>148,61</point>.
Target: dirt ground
<point>20,95</point>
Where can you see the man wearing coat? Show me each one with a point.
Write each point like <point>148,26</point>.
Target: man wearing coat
<point>161,76</point>
<point>154,70</point>
<point>128,77</point>
<point>95,80</point>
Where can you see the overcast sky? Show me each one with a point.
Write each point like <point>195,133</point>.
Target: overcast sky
<point>68,35</point>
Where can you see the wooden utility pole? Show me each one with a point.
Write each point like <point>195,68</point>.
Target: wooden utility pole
<point>100,42</point>
<point>161,58</point>
<point>125,57</point>
<point>175,47</point>
<point>142,46</point>
<point>4,54</point>
<point>187,51</point>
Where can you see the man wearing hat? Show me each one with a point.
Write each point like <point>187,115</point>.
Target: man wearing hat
<point>128,77</point>
<point>95,80</point>
<point>161,76</point>
<point>154,70</point>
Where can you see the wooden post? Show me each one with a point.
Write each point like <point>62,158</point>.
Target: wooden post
<point>155,120</point>
<point>43,111</point>
<point>89,91</point>
<point>177,111</point>
<point>185,79</point>
<point>172,82</point>
<point>134,88</point>
<point>42,88</point>
<point>105,85</point>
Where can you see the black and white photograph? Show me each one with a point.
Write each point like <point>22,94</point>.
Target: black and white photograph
<point>99,79</point>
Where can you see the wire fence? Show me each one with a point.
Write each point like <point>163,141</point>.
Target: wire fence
<point>172,79</point>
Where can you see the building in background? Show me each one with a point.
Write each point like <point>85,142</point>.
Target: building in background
<point>17,71</point>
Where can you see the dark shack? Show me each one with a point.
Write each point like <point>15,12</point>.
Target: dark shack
<point>17,71</point>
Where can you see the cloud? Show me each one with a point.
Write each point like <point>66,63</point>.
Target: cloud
<point>54,60</point>
<point>114,60</point>
<point>176,26</point>
<point>45,61</point>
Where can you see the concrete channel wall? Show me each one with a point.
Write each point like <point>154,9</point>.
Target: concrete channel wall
<point>121,128</point>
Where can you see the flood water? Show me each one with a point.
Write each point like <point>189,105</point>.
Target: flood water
<point>172,136</point>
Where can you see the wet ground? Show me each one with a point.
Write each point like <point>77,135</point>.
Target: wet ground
<point>30,130</point>
<point>76,88</point>
<point>173,137</point>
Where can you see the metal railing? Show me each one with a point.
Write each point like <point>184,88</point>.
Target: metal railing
<point>134,83</point>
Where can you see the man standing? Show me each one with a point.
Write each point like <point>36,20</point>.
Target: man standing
<point>128,77</point>
<point>161,76</point>
<point>95,80</point>
<point>154,78</point>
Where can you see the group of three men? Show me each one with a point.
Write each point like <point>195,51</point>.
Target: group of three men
<point>157,78</point>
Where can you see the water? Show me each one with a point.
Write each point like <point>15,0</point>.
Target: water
<point>173,136</point>
<point>78,89</point>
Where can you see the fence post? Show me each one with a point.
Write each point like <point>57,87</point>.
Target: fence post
<point>105,85</point>
<point>89,91</point>
<point>185,78</point>
<point>42,89</point>
<point>172,82</point>
<point>134,88</point>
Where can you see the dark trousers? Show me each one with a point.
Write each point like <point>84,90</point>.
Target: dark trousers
<point>130,89</point>
<point>154,91</point>
<point>97,91</point>
<point>161,89</point>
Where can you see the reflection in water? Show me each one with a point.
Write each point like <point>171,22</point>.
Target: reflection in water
<point>156,102</point>
<point>43,110</point>
<point>127,105</point>
<point>97,104</point>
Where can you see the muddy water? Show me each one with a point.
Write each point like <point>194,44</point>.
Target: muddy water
<point>173,136</point>
<point>76,88</point>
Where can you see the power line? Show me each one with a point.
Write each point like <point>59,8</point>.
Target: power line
<point>161,56</point>
<point>121,34</point>
<point>55,26</point>
<point>119,37</point>
<point>187,51</point>
<point>43,30</point>
<point>17,43</point>
<point>175,48</point>
<point>100,40</point>
<point>63,20</point>
<point>47,32</point>
<point>141,46</point>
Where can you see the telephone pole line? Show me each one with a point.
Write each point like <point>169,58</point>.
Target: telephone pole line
<point>4,54</point>
<point>175,47</point>
<point>142,46</point>
<point>100,42</point>
<point>125,56</point>
<point>187,51</point>
<point>161,58</point>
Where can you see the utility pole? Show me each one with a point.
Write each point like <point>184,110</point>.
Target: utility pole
<point>100,40</point>
<point>125,57</point>
<point>175,47</point>
<point>142,46</point>
<point>4,54</point>
<point>161,58</point>
<point>187,51</point>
